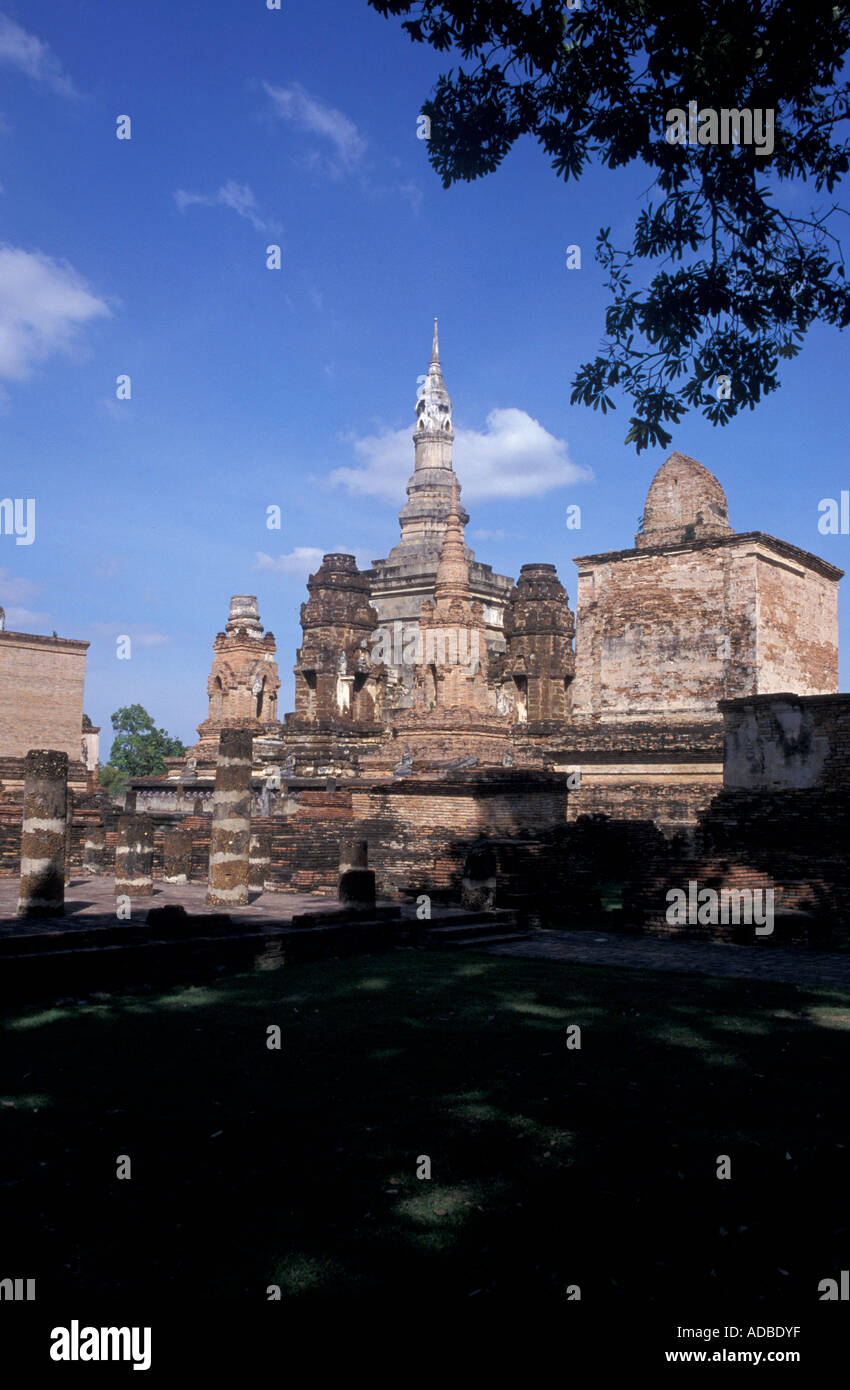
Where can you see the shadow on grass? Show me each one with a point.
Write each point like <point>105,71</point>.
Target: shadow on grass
<point>549,1166</point>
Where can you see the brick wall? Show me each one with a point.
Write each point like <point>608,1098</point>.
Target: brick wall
<point>666,633</point>
<point>420,830</point>
<point>797,634</point>
<point>41,694</point>
<point>787,741</point>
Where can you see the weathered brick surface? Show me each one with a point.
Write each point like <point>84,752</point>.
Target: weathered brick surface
<point>420,830</point>
<point>634,769</point>
<point>41,694</point>
<point>685,502</point>
<point>665,634</point>
<point>785,742</point>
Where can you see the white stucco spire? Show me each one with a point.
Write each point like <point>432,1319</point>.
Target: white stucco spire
<point>433,406</point>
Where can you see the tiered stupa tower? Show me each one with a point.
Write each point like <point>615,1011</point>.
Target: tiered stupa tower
<point>242,685</point>
<point>454,718</point>
<point>401,582</point>
<point>429,492</point>
<point>451,670</point>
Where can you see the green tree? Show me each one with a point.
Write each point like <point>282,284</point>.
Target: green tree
<point>140,748</point>
<point>112,779</point>
<point>742,268</point>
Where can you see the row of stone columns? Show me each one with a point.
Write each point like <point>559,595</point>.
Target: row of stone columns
<point>238,863</point>
<point>134,855</point>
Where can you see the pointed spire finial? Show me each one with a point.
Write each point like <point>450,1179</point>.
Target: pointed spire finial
<point>454,506</point>
<point>435,350</point>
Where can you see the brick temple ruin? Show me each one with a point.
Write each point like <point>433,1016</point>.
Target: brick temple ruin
<point>684,720</point>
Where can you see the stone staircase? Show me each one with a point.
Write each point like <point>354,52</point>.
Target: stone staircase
<point>459,930</point>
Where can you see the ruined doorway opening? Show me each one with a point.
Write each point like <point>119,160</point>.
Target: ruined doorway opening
<point>310,682</point>
<point>568,695</point>
<point>521,699</point>
<point>357,705</point>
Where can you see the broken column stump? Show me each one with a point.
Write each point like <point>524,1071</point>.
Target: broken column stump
<point>478,885</point>
<point>134,857</point>
<point>42,888</point>
<point>230,835</point>
<point>356,881</point>
<point>176,855</point>
<point>95,853</point>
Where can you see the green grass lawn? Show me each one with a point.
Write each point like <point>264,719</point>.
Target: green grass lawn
<point>549,1166</point>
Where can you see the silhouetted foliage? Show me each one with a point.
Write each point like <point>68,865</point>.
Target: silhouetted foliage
<point>739,278</point>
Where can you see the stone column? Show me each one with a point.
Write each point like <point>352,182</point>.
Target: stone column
<point>42,890</point>
<point>69,826</point>
<point>134,857</point>
<point>230,834</point>
<point>95,854</point>
<point>176,855</point>
<point>260,862</point>
<point>356,880</point>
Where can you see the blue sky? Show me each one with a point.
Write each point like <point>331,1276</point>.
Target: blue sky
<point>296,387</point>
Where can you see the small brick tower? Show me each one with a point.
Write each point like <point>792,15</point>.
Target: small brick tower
<point>539,663</point>
<point>334,678</point>
<point>243,682</point>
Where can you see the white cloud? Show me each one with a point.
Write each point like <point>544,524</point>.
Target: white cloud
<point>32,56</point>
<point>309,113</point>
<point>25,620</point>
<point>482,535</point>
<point>414,195</point>
<point>237,196</point>
<point>17,590</point>
<point>14,595</point>
<point>43,304</point>
<point>304,559</point>
<point>514,457</point>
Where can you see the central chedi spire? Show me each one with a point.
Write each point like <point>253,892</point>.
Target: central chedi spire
<point>423,516</point>
<point>408,575</point>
